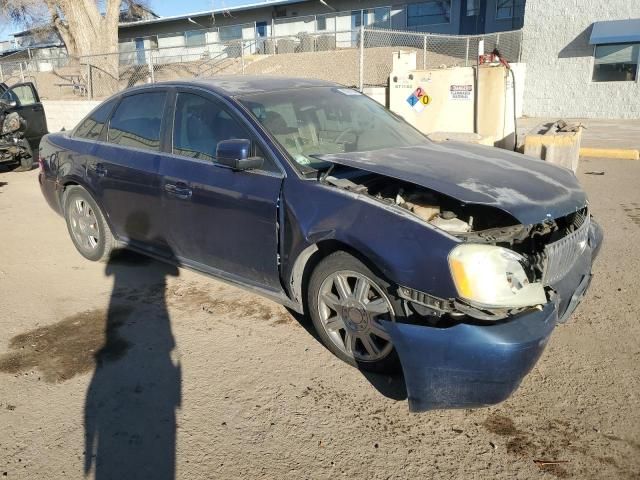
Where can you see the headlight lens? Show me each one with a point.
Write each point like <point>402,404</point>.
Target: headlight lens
<point>490,276</point>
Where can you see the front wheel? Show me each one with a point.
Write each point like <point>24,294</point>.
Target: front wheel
<point>86,224</point>
<point>347,303</point>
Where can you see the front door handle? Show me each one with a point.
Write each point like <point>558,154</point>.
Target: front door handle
<point>179,190</point>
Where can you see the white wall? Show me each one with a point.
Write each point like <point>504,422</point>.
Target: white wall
<point>560,61</point>
<point>66,114</point>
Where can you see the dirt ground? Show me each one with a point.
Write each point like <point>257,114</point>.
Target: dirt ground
<point>199,380</point>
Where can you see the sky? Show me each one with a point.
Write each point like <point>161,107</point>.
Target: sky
<point>164,8</point>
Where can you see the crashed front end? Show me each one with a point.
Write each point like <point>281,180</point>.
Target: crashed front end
<point>514,282</point>
<point>476,353</point>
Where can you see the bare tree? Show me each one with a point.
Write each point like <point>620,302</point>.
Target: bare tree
<point>88,29</point>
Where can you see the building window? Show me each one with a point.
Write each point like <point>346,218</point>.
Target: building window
<point>473,8</point>
<point>321,23</point>
<point>230,32</point>
<point>616,63</point>
<point>509,9</point>
<point>428,13</point>
<point>195,38</point>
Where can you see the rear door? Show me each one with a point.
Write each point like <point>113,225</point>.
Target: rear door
<point>123,169</point>
<point>30,108</point>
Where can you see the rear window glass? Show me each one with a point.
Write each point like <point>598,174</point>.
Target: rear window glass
<point>92,126</point>
<point>137,121</point>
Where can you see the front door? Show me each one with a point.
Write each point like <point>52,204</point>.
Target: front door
<point>217,219</point>
<point>30,108</point>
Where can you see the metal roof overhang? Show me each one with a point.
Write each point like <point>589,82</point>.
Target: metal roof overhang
<point>615,31</point>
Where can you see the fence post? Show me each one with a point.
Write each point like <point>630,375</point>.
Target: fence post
<point>152,73</point>
<point>21,73</point>
<point>1,74</point>
<point>242,55</point>
<point>424,52</point>
<point>466,55</point>
<point>89,81</point>
<point>361,72</point>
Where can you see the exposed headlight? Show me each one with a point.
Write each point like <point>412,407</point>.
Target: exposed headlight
<point>493,277</point>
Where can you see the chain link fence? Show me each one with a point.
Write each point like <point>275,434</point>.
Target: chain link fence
<point>432,51</point>
<point>355,57</point>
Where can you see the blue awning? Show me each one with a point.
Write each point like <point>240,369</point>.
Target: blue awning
<point>615,31</point>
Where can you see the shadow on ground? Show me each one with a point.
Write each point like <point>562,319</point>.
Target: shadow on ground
<point>391,386</point>
<point>131,402</point>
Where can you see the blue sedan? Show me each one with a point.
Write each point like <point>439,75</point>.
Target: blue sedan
<point>453,262</point>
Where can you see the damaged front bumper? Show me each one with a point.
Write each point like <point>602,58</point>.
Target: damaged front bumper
<point>475,365</point>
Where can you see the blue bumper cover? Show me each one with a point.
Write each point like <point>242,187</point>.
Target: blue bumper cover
<point>476,365</point>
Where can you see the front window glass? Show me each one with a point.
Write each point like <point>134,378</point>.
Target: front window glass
<point>23,95</point>
<point>312,122</point>
<point>199,125</point>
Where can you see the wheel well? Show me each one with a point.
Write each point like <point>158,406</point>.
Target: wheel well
<point>324,248</point>
<point>64,189</point>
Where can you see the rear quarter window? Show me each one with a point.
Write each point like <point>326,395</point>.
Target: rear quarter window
<point>137,121</point>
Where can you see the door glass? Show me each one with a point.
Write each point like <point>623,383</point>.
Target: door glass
<point>91,127</point>
<point>22,94</point>
<point>137,121</point>
<point>199,125</point>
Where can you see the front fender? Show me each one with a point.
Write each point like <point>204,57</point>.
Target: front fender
<point>406,250</point>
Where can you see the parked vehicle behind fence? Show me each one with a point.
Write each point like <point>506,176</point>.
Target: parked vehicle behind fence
<point>453,261</point>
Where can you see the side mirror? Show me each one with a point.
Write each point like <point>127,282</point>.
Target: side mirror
<point>235,153</point>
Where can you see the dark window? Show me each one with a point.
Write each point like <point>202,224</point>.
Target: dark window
<point>200,124</point>
<point>91,127</point>
<point>356,18</point>
<point>137,120</point>
<point>509,9</point>
<point>261,29</point>
<point>428,13</point>
<point>616,63</point>
<point>321,23</point>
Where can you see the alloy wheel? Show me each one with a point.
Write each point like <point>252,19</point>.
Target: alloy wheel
<point>351,307</point>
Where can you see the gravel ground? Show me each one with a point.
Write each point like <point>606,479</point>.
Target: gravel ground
<point>201,380</point>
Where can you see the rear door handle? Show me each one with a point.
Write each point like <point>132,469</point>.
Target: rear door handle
<point>179,190</point>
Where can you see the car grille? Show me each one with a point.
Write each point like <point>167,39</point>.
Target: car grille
<point>561,255</point>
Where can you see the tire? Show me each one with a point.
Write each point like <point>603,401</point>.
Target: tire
<point>87,227</point>
<point>26,161</point>
<point>347,316</point>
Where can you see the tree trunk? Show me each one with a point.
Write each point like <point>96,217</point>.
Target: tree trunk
<point>91,38</point>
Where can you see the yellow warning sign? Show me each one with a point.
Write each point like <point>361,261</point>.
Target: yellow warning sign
<point>425,99</point>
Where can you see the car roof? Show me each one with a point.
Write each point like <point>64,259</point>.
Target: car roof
<point>233,85</point>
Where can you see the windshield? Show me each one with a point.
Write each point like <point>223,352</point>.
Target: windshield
<point>312,122</point>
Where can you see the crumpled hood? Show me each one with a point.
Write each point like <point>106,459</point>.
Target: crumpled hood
<point>529,189</point>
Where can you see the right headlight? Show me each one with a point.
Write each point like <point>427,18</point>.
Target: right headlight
<point>493,277</point>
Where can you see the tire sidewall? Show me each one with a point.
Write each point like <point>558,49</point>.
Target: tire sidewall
<point>70,195</point>
<point>344,261</point>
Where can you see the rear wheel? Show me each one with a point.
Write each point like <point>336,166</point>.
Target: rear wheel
<point>86,224</point>
<point>347,303</point>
